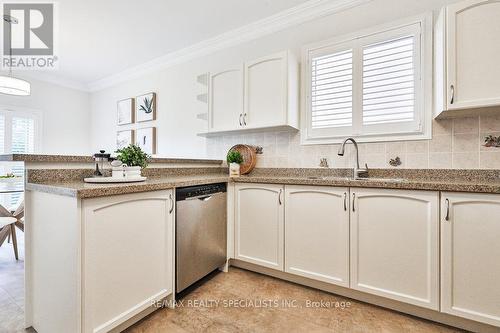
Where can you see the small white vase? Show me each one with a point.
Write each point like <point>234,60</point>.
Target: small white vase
<point>234,170</point>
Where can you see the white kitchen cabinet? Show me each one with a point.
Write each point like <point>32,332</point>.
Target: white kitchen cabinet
<point>468,44</point>
<point>226,100</point>
<point>271,91</point>
<point>128,256</point>
<point>317,233</point>
<point>96,263</point>
<point>395,245</point>
<point>470,252</point>
<point>259,213</point>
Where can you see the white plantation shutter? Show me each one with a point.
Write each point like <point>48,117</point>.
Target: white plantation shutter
<point>23,135</point>
<point>18,133</point>
<point>331,90</point>
<point>2,134</point>
<point>389,82</point>
<point>370,87</point>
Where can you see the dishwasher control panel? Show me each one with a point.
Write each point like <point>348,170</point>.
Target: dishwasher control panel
<point>197,191</point>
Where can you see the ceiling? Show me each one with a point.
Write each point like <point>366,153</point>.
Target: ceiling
<point>101,38</point>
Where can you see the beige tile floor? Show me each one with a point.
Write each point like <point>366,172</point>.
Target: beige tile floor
<point>12,287</point>
<point>240,287</point>
<point>244,287</point>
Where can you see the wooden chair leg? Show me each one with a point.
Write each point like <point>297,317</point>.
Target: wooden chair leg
<point>14,239</point>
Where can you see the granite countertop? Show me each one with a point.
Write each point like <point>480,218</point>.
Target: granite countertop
<point>451,180</point>
<point>41,158</point>
<point>454,185</point>
<point>80,189</point>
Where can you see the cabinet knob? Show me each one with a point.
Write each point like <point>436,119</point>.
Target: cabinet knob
<point>240,119</point>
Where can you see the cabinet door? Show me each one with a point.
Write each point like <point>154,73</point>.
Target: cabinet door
<point>394,245</point>
<point>266,91</point>
<point>317,233</point>
<point>470,252</point>
<point>128,256</point>
<point>473,45</point>
<point>226,100</point>
<point>259,224</point>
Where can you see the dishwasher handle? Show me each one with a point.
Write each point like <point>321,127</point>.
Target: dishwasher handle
<point>200,197</point>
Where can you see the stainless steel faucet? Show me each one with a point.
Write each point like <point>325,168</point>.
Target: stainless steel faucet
<point>358,172</point>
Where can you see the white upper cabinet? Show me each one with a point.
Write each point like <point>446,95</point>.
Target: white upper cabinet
<point>468,45</point>
<point>470,252</point>
<point>226,99</point>
<point>395,245</point>
<point>271,91</point>
<point>317,233</point>
<point>263,93</point>
<point>259,216</point>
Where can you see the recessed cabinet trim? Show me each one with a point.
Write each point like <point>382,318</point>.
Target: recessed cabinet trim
<point>261,94</point>
<point>467,48</point>
<point>225,102</point>
<point>317,233</point>
<point>397,236</point>
<point>470,270</point>
<point>259,222</point>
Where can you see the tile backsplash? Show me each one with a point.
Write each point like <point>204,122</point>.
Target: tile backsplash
<point>456,144</point>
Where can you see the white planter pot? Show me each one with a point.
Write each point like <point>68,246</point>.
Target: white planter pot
<point>234,170</point>
<point>126,172</point>
<point>133,172</point>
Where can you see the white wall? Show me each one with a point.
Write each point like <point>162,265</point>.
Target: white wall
<point>65,116</point>
<point>177,88</point>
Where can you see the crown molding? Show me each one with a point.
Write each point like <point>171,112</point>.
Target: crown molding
<point>305,12</point>
<point>53,79</point>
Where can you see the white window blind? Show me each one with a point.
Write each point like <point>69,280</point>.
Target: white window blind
<point>331,91</point>
<point>370,86</point>
<point>389,82</point>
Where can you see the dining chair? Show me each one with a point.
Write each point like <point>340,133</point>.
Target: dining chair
<point>8,228</point>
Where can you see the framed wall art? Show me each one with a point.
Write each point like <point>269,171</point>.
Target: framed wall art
<point>125,111</point>
<point>145,138</point>
<point>145,107</point>
<point>124,139</point>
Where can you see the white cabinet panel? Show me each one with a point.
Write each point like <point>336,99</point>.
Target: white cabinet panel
<point>259,214</point>
<point>128,256</point>
<point>467,55</point>
<point>394,245</point>
<point>266,91</point>
<point>226,99</point>
<point>470,252</point>
<point>317,233</point>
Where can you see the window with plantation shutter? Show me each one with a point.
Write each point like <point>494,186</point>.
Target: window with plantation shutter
<point>19,133</point>
<point>23,135</point>
<point>370,86</point>
<point>389,82</point>
<point>331,91</point>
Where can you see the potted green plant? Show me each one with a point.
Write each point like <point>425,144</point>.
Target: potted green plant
<point>234,159</point>
<point>134,159</point>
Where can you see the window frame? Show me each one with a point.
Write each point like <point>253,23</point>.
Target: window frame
<point>419,26</point>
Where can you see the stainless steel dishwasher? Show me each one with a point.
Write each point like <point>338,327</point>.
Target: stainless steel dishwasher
<point>201,228</point>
